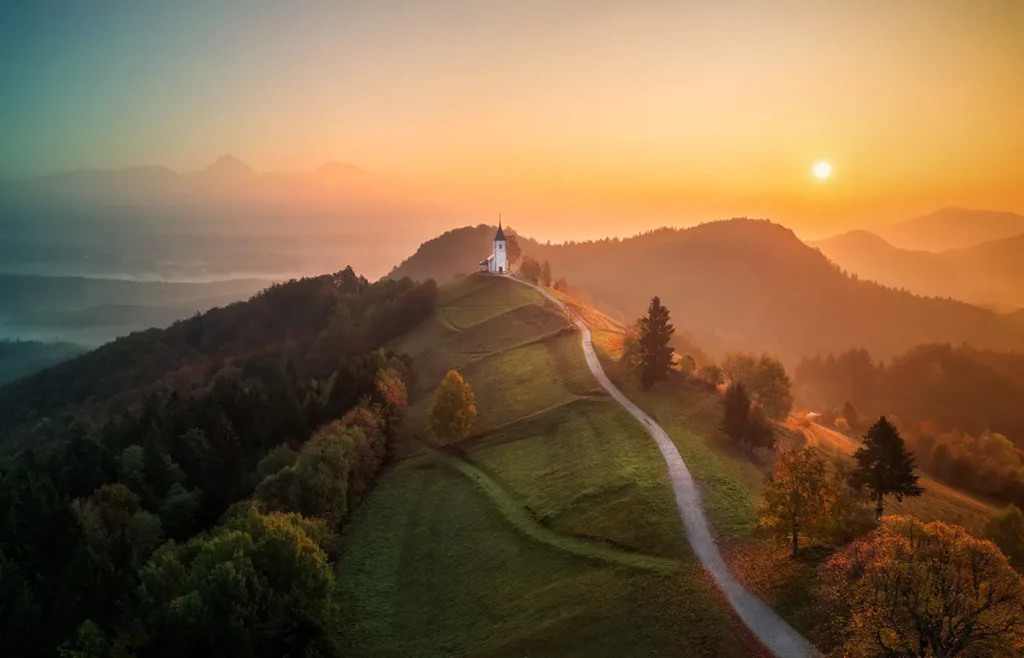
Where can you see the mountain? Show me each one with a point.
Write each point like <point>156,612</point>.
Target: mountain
<point>739,284</point>
<point>953,228</point>
<point>989,274</point>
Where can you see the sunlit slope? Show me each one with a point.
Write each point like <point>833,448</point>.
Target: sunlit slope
<point>939,502</point>
<point>551,531</point>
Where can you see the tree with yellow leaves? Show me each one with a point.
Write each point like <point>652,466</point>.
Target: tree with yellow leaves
<point>915,589</point>
<point>804,498</point>
<point>454,408</point>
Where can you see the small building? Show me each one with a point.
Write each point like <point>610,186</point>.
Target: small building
<point>497,262</point>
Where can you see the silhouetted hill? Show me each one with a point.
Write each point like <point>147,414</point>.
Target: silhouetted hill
<point>953,228</point>
<point>991,273</point>
<point>310,325</point>
<point>740,283</point>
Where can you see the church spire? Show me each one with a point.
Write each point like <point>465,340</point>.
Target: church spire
<point>500,235</point>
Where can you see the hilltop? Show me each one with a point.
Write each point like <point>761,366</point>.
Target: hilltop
<point>739,283</point>
<point>990,273</point>
<point>954,228</point>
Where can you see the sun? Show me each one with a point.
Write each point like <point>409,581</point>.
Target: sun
<point>822,170</point>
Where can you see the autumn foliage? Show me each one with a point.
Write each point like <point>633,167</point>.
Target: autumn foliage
<point>804,498</point>
<point>454,408</point>
<point>915,589</point>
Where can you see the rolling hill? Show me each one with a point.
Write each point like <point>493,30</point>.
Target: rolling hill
<point>953,228</point>
<point>550,531</point>
<point>738,284</point>
<point>989,274</point>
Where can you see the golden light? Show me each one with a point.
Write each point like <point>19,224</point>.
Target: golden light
<point>822,170</point>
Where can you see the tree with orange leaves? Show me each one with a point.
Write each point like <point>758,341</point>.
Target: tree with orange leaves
<point>915,589</point>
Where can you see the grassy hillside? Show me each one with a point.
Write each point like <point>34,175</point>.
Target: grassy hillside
<point>742,284</point>
<point>551,531</point>
<point>731,484</point>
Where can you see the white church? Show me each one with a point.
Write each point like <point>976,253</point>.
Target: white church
<point>497,262</point>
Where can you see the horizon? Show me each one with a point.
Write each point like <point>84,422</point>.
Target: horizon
<point>612,119</point>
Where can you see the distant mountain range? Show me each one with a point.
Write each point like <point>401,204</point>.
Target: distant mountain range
<point>747,284</point>
<point>227,177</point>
<point>953,228</point>
<point>990,273</point>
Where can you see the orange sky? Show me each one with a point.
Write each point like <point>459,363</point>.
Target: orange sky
<point>608,116</point>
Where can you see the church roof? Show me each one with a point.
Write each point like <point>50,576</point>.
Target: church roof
<point>500,235</point>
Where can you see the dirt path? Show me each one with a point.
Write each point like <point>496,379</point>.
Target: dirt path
<point>773,631</point>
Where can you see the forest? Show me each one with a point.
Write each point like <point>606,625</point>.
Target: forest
<point>958,407</point>
<point>180,491</point>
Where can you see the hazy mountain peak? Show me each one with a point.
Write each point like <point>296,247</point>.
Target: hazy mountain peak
<point>228,165</point>
<point>954,227</point>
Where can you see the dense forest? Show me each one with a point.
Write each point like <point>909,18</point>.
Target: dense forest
<point>958,406</point>
<point>738,284</point>
<point>179,491</point>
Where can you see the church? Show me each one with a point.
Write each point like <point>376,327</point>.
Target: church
<point>497,262</point>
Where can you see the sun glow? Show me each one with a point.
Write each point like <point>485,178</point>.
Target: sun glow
<point>822,170</point>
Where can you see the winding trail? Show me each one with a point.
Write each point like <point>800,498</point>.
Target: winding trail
<point>523,521</point>
<point>778,636</point>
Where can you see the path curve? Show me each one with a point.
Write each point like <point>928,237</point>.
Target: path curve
<point>778,636</point>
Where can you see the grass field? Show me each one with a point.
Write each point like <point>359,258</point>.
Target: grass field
<point>550,531</point>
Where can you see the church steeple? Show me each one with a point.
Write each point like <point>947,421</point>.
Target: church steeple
<point>500,235</point>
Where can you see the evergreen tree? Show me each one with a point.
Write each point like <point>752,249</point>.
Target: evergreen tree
<point>884,466</point>
<point>736,419</point>
<point>545,273</point>
<point>655,353</point>
<point>851,416</point>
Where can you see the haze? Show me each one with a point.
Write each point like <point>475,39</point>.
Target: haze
<point>575,119</point>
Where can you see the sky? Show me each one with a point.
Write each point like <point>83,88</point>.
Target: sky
<point>582,117</point>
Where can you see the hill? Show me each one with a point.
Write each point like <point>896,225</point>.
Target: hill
<point>953,228</point>
<point>741,284</point>
<point>246,435</point>
<point>987,274</point>
<point>273,327</point>
<point>550,531</point>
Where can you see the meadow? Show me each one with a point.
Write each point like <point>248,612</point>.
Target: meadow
<point>550,531</point>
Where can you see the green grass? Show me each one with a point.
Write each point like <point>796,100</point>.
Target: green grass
<point>431,568</point>
<point>552,530</point>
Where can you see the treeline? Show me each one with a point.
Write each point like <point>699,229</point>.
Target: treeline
<point>313,322</point>
<point>202,519</point>
<point>958,407</point>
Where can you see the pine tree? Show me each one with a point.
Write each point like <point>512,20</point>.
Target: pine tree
<point>884,466</point>
<point>736,417</point>
<point>655,333</point>
<point>545,273</point>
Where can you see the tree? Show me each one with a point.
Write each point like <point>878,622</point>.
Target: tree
<point>513,251</point>
<point>743,422</point>
<point>454,408</point>
<point>545,273</point>
<point>655,332</point>
<point>803,497</point>
<point>259,585</point>
<point>911,589</point>
<point>884,466</point>
<point>771,388</point>
<point>530,269</point>
<point>942,462</point>
<point>851,416</point>
<point>1007,531</point>
<point>736,412</point>
<point>765,379</point>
